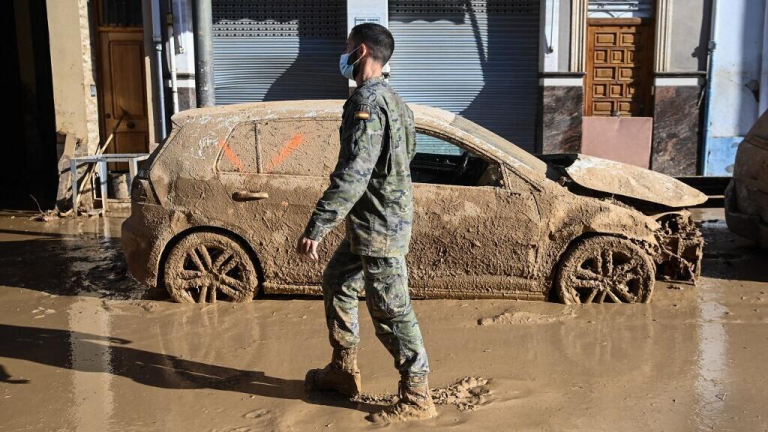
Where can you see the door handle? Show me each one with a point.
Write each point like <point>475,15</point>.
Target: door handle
<point>249,196</point>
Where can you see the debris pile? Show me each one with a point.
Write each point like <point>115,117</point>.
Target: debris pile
<point>682,248</point>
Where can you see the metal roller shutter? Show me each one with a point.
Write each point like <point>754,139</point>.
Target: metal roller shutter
<point>276,50</point>
<point>474,58</point>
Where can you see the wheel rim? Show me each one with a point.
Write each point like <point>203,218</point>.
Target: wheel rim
<point>612,275</point>
<point>206,271</point>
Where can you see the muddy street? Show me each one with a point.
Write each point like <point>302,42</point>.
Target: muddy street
<point>82,349</point>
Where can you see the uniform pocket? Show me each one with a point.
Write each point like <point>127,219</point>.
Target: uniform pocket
<point>386,287</point>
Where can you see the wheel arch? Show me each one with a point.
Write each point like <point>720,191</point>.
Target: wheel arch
<point>216,230</point>
<point>551,295</point>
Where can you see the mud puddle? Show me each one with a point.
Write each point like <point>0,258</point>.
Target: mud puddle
<point>66,257</point>
<point>76,355</point>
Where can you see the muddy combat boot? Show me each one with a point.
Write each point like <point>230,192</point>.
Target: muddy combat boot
<point>341,375</point>
<point>415,404</point>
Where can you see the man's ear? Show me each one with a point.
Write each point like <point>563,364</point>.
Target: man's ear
<point>363,50</point>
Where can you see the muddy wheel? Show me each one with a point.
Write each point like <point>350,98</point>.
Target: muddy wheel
<point>203,267</point>
<point>600,269</point>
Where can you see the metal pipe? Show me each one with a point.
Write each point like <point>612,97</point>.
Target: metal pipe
<point>157,39</point>
<point>203,24</point>
<point>764,68</point>
<point>172,59</point>
<point>179,15</point>
<point>711,47</point>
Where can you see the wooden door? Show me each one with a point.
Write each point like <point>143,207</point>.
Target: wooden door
<point>123,81</point>
<point>619,68</point>
<point>124,91</point>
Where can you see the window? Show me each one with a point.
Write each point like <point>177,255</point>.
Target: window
<point>299,147</point>
<point>438,161</point>
<point>433,145</point>
<point>120,13</point>
<point>238,153</point>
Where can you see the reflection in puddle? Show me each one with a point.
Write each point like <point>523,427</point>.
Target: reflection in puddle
<point>713,344</point>
<point>93,400</point>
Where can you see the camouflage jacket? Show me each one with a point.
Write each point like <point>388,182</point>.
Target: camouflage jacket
<point>371,184</point>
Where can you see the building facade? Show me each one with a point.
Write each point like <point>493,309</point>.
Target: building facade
<point>622,79</point>
<point>630,60</point>
<point>532,71</point>
<point>738,88</point>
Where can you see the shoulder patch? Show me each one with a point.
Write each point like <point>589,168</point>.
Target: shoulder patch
<point>362,112</point>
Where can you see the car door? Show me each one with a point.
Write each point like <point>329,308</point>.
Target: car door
<point>472,236</point>
<point>294,159</point>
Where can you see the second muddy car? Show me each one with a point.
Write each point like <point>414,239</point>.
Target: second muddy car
<point>217,208</point>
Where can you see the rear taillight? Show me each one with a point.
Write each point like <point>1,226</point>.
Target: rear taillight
<point>141,191</point>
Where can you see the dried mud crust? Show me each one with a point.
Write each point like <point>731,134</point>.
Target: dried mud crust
<point>599,269</point>
<point>204,265</point>
<point>466,394</point>
<point>516,317</point>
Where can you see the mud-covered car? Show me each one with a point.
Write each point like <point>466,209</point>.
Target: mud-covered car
<point>746,197</point>
<point>217,208</point>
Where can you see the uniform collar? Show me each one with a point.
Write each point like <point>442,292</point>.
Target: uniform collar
<point>366,83</point>
<point>373,80</point>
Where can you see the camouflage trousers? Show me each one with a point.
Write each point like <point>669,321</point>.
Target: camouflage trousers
<point>385,281</point>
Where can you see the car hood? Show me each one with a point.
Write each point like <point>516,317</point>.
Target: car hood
<point>626,180</point>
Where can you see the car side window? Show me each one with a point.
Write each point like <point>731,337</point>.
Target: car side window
<point>307,147</point>
<point>429,144</point>
<point>238,152</point>
<point>439,161</point>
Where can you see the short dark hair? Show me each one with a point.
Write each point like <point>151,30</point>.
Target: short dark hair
<point>377,38</point>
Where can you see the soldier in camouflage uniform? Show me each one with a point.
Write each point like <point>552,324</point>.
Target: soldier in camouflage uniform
<point>371,189</point>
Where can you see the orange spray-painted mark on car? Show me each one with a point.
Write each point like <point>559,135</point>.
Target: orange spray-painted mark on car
<point>231,156</point>
<point>286,151</point>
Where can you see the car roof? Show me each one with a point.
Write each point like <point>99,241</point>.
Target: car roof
<point>295,108</point>
<point>223,118</point>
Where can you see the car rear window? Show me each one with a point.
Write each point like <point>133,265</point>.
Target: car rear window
<point>299,147</point>
<point>238,152</point>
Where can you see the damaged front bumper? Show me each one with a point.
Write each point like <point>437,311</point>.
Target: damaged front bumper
<point>681,247</point>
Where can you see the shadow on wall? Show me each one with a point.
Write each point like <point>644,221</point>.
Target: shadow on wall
<point>501,58</point>
<point>752,32</point>
<point>497,86</point>
<point>264,53</point>
<point>700,52</point>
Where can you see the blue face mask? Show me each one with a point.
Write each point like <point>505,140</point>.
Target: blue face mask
<point>348,70</point>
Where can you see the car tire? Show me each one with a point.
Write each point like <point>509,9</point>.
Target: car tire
<point>205,267</point>
<point>598,269</point>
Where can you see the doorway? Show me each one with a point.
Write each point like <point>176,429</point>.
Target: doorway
<point>28,170</point>
<point>123,83</point>
<point>619,67</point>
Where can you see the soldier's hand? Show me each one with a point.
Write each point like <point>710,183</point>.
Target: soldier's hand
<point>307,248</point>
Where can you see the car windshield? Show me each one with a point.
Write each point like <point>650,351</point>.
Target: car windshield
<point>500,144</point>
